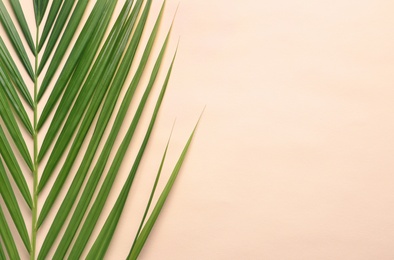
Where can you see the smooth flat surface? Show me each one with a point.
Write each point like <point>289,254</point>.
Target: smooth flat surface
<point>293,158</point>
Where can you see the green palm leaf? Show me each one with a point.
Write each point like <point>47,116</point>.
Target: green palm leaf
<point>53,12</point>
<point>142,237</point>
<point>15,39</point>
<point>10,160</point>
<point>9,65</point>
<point>7,238</point>
<point>65,41</point>
<point>16,7</point>
<point>10,200</point>
<point>2,254</point>
<point>83,98</point>
<point>97,135</point>
<point>10,122</point>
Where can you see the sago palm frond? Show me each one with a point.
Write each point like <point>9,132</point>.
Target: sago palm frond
<point>81,98</point>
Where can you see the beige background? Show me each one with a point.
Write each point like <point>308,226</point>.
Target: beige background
<point>293,156</point>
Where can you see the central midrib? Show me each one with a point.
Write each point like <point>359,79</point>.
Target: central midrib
<point>35,153</point>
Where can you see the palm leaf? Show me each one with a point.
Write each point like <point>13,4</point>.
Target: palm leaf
<point>66,38</point>
<point>65,41</point>
<point>97,74</point>
<point>10,200</point>
<point>100,246</point>
<point>10,122</point>
<point>12,164</point>
<point>151,194</point>
<point>13,97</point>
<point>9,65</point>
<point>53,12</point>
<point>98,205</point>
<point>94,142</point>
<point>39,9</point>
<point>83,98</point>
<point>142,237</point>
<point>83,64</point>
<point>15,39</point>
<point>2,254</point>
<point>7,238</point>
<point>16,7</point>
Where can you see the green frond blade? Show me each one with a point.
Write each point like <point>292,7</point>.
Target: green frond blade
<point>101,75</point>
<point>152,192</point>
<point>39,9</point>
<point>98,205</point>
<point>105,73</point>
<point>2,254</point>
<point>15,39</point>
<point>55,7</point>
<point>9,120</point>
<point>13,166</point>
<point>14,73</point>
<point>160,203</point>
<point>13,208</point>
<point>83,64</point>
<point>57,29</point>
<point>13,97</point>
<point>43,6</point>
<point>97,171</point>
<point>104,238</point>
<point>79,46</point>
<point>36,10</point>
<point>88,88</point>
<point>16,7</point>
<point>7,238</point>
<point>58,223</point>
<point>102,122</point>
<point>82,171</point>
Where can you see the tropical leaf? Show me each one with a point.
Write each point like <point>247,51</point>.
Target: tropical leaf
<point>2,254</point>
<point>7,238</point>
<point>9,65</point>
<point>10,200</point>
<point>15,39</point>
<point>16,7</point>
<point>83,98</point>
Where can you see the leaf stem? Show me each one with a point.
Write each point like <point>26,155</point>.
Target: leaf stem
<point>35,161</point>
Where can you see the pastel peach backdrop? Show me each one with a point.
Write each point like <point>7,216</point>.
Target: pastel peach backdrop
<point>293,157</point>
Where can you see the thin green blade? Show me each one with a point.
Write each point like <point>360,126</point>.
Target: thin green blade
<point>102,122</point>
<point>93,107</point>
<point>83,64</point>
<point>7,238</point>
<point>13,208</point>
<point>2,254</point>
<point>49,22</point>
<point>36,10</point>
<point>84,97</point>
<point>16,7</point>
<point>9,120</point>
<point>14,99</point>
<point>65,41</point>
<point>57,29</point>
<point>57,224</point>
<point>13,166</point>
<point>15,39</point>
<point>78,180</point>
<point>153,191</point>
<point>160,203</point>
<point>98,205</point>
<point>14,73</point>
<point>101,75</point>
<point>42,8</point>
<point>102,242</point>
